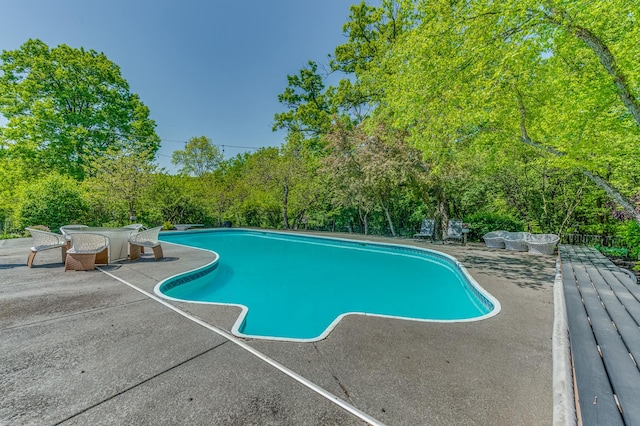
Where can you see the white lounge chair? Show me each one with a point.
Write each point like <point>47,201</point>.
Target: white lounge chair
<point>185,226</point>
<point>495,239</point>
<point>148,238</point>
<point>84,251</point>
<point>454,230</point>
<point>136,227</point>
<point>65,227</point>
<point>516,241</point>
<point>542,243</point>
<point>43,240</point>
<point>426,230</point>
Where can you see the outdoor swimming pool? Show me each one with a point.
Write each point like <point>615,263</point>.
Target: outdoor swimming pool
<point>297,287</point>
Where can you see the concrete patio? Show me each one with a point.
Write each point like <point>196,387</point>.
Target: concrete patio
<point>85,348</point>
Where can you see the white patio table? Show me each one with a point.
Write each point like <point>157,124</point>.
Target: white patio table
<point>118,240</point>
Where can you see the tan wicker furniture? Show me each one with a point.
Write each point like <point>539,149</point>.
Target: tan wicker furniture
<point>118,240</point>
<point>85,248</point>
<point>43,240</point>
<point>148,238</point>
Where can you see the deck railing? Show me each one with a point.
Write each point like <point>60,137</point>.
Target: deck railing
<point>588,240</point>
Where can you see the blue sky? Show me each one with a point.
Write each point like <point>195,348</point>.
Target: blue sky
<point>212,68</point>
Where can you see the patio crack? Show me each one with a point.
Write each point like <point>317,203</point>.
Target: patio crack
<point>148,379</point>
<point>344,389</point>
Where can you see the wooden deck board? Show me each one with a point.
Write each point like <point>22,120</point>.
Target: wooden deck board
<point>596,291</point>
<point>595,394</point>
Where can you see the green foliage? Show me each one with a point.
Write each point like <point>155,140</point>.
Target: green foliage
<point>65,107</point>
<point>309,108</point>
<point>629,236</point>
<point>199,156</point>
<point>613,251</point>
<point>167,226</point>
<point>118,182</point>
<point>482,223</point>
<point>53,201</point>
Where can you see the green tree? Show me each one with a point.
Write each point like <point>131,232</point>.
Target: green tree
<point>200,156</point>
<point>54,201</point>
<point>371,170</point>
<point>309,106</point>
<point>472,75</point>
<point>67,106</point>
<point>119,181</point>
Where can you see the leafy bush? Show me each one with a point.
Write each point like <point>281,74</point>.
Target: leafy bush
<point>167,226</point>
<point>482,223</point>
<point>53,202</point>
<point>612,251</point>
<point>629,235</point>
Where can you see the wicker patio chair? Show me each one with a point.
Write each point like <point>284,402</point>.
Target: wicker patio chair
<point>148,238</point>
<point>426,230</point>
<point>85,247</point>
<point>454,230</point>
<point>43,240</point>
<point>495,239</point>
<point>516,241</point>
<point>542,243</point>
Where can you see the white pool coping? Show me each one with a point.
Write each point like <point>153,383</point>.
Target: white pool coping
<point>237,326</point>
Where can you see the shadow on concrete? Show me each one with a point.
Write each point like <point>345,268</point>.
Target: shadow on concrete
<point>21,265</point>
<point>524,271</point>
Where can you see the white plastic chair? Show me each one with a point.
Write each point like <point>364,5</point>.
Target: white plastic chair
<point>85,248</point>
<point>148,238</point>
<point>136,227</point>
<point>495,239</point>
<point>43,240</point>
<point>516,241</point>
<point>542,243</point>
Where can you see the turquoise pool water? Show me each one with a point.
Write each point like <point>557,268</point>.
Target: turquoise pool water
<point>298,287</point>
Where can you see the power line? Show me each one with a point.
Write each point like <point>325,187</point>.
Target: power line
<point>128,136</point>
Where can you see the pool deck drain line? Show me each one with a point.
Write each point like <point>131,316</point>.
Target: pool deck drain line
<point>312,386</point>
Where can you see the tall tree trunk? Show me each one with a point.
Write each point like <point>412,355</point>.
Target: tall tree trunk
<point>388,216</point>
<point>364,219</point>
<point>285,202</point>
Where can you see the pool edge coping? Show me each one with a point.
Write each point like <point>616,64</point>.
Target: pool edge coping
<point>235,329</point>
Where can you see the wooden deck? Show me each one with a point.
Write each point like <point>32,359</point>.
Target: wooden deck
<point>603,310</point>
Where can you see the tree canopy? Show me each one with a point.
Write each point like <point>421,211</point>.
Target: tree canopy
<point>67,106</point>
<point>521,114</point>
<point>198,157</point>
